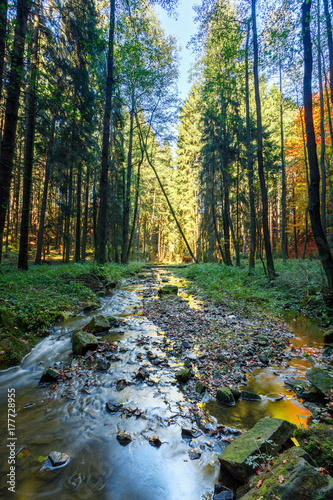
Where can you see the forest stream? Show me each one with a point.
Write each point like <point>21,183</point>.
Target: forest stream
<point>164,453</point>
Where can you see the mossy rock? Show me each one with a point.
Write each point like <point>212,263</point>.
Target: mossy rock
<point>98,324</point>
<point>317,440</point>
<point>321,379</point>
<point>14,346</point>
<point>200,387</point>
<point>293,476</point>
<point>265,438</point>
<point>305,390</point>
<point>7,318</point>
<point>236,393</point>
<point>250,396</point>
<point>184,375</point>
<point>113,322</point>
<point>225,396</point>
<point>50,375</point>
<point>83,342</point>
<point>168,290</point>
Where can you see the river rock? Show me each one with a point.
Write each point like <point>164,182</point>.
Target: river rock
<point>293,476</point>
<point>225,396</point>
<point>103,365</point>
<point>328,336</point>
<point>83,342</point>
<point>194,454</point>
<point>155,441</point>
<point>98,324</point>
<point>113,322</point>
<point>236,393</point>
<point>304,390</point>
<point>321,379</point>
<point>200,387</point>
<point>113,406</point>
<point>250,396</point>
<point>58,459</point>
<point>184,375</point>
<point>142,374</point>
<point>168,290</point>
<point>121,384</point>
<point>124,438</point>
<point>266,437</point>
<point>50,375</point>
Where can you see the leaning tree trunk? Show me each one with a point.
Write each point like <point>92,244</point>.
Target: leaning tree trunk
<point>38,259</point>
<point>314,197</point>
<point>11,113</point>
<point>250,159</point>
<point>267,241</point>
<point>103,206</point>
<point>29,147</point>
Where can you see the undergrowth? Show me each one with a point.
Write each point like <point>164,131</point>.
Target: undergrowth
<point>299,285</point>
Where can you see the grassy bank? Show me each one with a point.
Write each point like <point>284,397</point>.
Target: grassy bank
<point>32,301</point>
<point>300,286</point>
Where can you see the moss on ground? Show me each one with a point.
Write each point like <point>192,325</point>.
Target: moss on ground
<point>317,441</point>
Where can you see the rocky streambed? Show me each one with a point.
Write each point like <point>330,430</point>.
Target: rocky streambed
<point>128,402</point>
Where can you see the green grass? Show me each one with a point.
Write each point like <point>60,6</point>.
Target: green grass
<point>300,285</point>
<point>32,301</point>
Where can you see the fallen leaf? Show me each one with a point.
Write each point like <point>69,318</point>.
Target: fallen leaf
<point>259,483</point>
<point>323,471</point>
<point>281,479</point>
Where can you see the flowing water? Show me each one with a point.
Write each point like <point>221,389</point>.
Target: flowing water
<point>72,419</point>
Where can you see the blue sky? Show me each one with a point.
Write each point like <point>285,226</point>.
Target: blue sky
<point>182,28</point>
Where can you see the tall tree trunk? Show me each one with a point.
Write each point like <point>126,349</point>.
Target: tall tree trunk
<point>127,199</point>
<point>135,210</point>
<point>3,30</point>
<point>314,198</point>
<point>322,131</point>
<point>295,221</point>
<point>85,220</point>
<point>68,236</point>
<point>250,159</point>
<point>11,114</point>
<point>103,206</point>
<point>214,221</point>
<point>268,250</point>
<point>77,256</point>
<point>29,145</point>
<point>283,172</point>
<point>45,193</point>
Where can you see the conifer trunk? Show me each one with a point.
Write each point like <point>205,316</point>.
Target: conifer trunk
<point>29,146</point>
<point>3,30</point>
<point>11,113</point>
<point>103,206</point>
<point>45,193</point>
<point>314,198</point>
<point>85,220</point>
<point>268,250</point>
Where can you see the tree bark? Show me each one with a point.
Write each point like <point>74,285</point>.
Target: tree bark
<point>85,220</point>
<point>250,159</point>
<point>314,198</point>
<point>11,114</point>
<point>3,30</point>
<point>322,131</point>
<point>268,250</point>
<point>127,198</point>
<point>29,146</point>
<point>329,42</point>
<point>283,175</point>
<point>103,206</point>
<point>77,255</point>
<point>38,259</point>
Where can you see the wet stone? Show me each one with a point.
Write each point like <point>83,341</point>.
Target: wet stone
<point>250,396</point>
<point>123,438</point>
<point>98,324</point>
<point>155,441</point>
<point>184,375</point>
<point>50,375</point>
<point>113,406</point>
<point>188,433</point>
<point>194,454</point>
<point>168,290</point>
<point>103,365</point>
<point>121,384</point>
<point>58,459</point>
<point>225,396</point>
<point>142,374</point>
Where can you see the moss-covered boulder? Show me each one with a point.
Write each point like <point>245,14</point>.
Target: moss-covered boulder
<point>250,396</point>
<point>321,379</point>
<point>113,322</point>
<point>225,396</point>
<point>293,476</point>
<point>200,387</point>
<point>83,342</point>
<point>184,375</point>
<point>317,440</point>
<point>328,336</point>
<point>236,393</point>
<point>98,324</point>
<point>304,390</point>
<point>168,290</point>
<point>265,438</point>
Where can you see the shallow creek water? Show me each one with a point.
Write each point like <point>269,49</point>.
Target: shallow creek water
<point>74,420</point>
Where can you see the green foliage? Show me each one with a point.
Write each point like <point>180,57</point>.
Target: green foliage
<point>299,285</point>
<point>318,442</point>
